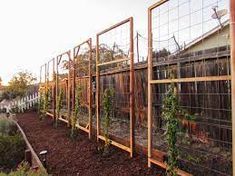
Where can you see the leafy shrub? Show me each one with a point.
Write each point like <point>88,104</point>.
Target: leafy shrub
<point>24,170</point>
<point>7,128</point>
<point>12,145</point>
<point>11,151</point>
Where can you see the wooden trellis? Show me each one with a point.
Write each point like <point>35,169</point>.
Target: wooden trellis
<point>65,83</point>
<point>82,78</point>
<point>50,84</point>
<point>161,17</point>
<point>108,64</point>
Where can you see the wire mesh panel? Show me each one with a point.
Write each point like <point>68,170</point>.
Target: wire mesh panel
<point>63,84</point>
<point>42,81</point>
<point>51,86</point>
<point>115,53</point>
<point>189,48</point>
<point>82,89</point>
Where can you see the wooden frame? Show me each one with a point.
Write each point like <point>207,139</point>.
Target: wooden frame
<point>51,83</point>
<point>88,128</point>
<point>232,61</point>
<point>180,80</point>
<point>68,87</point>
<point>129,149</point>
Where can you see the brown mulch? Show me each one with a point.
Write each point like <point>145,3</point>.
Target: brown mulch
<point>79,156</point>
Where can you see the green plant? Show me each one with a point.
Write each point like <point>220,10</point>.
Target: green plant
<point>46,101</point>
<point>24,170</point>
<point>12,145</point>
<point>108,107</point>
<point>7,127</point>
<point>58,106</point>
<point>173,114</point>
<point>14,109</point>
<point>41,104</point>
<point>76,111</point>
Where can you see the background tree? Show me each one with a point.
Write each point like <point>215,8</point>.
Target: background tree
<point>19,85</point>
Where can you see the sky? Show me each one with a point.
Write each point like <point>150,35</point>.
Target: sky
<point>34,31</point>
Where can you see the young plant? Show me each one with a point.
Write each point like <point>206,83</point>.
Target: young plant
<point>58,106</point>
<point>41,104</point>
<point>108,107</point>
<point>172,114</point>
<point>44,104</point>
<point>76,111</point>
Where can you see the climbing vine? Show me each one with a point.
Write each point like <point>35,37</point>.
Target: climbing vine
<point>172,114</point>
<point>43,103</point>
<point>108,107</point>
<point>76,111</point>
<point>58,106</point>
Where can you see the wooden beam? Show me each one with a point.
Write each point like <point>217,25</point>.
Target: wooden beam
<point>113,62</point>
<point>232,61</point>
<point>132,92</point>
<point>114,26</point>
<point>123,147</point>
<point>164,166</point>
<point>193,79</point>
<point>49,114</point>
<point>160,2</point>
<point>82,128</point>
<point>150,66</point>
<point>63,120</point>
<point>97,89</point>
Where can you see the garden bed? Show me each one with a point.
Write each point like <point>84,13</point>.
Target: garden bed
<point>80,156</point>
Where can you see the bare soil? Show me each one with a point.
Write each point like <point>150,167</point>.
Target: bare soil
<point>79,156</point>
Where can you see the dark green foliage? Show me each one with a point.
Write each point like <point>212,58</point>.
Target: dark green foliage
<point>173,114</point>
<point>108,107</point>
<point>12,145</point>
<point>11,151</point>
<point>7,128</point>
<point>24,170</point>
<point>169,114</point>
<point>76,111</point>
<point>58,106</point>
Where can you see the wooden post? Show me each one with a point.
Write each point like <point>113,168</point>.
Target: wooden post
<point>97,89</point>
<point>54,91</point>
<point>132,107</point>
<point>28,157</point>
<point>149,86</point>
<point>69,89</point>
<point>90,87</point>
<point>232,37</point>
<point>137,47</point>
<point>74,79</point>
<point>57,85</point>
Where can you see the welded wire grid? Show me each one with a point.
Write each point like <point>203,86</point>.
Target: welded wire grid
<point>82,64</point>
<point>114,45</point>
<point>191,40</point>
<point>50,84</point>
<point>63,68</point>
<point>43,74</point>
<point>42,79</point>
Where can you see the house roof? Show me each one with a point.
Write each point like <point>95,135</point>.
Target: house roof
<point>206,35</point>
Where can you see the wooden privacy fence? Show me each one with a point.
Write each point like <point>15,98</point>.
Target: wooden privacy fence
<point>82,86</point>
<point>189,47</point>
